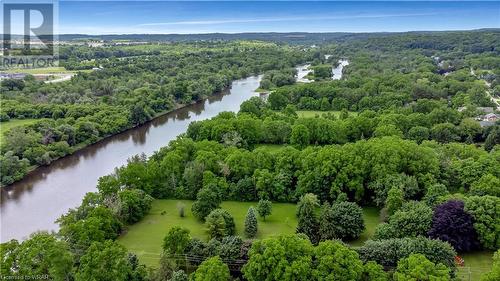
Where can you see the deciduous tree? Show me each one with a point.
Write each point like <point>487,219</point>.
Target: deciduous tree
<point>264,207</point>
<point>418,267</point>
<point>212,269</point>
<point>452,224</point>
<point>176,240</point>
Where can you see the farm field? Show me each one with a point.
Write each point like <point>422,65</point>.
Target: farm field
<point>43,70</point>
<point>5,126</point>
<point>145,237</point>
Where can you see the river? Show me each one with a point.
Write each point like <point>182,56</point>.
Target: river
<point>303,70</point>
<point>337,71</point>
<point>35,202</point>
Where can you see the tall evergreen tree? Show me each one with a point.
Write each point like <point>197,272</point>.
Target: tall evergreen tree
<point>308,222</point>
<point>251,223</point>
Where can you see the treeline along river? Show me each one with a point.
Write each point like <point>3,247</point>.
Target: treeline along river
<point>35,202</point>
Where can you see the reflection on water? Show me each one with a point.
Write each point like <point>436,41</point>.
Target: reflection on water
<point>38,200</point>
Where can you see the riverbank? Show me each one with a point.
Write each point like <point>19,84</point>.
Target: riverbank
<point>80,146</point>
<point>63,183</point>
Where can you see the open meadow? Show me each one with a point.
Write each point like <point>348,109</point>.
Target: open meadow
<point>145,237</point>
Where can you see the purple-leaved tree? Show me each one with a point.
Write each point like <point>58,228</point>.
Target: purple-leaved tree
<point>451,223</point>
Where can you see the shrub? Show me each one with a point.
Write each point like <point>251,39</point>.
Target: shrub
<point>389,251</point>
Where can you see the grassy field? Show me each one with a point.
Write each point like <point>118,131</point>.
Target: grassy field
<point>45,70</point>
<point>42,70</point>
<point>372,219</point>
<point>145,238</point>
<point>313,113</point>
<point>270,147</point>
<point>5,126</point>
<point>476,264</point>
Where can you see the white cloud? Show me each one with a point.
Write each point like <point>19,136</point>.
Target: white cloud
<point>284,19</point>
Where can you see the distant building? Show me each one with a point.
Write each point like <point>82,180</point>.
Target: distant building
<point>491,117</point>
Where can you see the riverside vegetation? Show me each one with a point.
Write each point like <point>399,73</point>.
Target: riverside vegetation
<point>128,87</point>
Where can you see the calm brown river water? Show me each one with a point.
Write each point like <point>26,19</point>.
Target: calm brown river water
<point>38,200</point>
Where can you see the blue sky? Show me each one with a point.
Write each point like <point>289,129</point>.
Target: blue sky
<point>120,17</point>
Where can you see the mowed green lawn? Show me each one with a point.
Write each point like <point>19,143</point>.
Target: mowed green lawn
<point>43,70</point>
<point>476,264</point>
<point>371,216</point>
<point>5,126</point>
<point>145,237</point>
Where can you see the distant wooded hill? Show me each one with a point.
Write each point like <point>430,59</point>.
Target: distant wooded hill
<point>287,37</point>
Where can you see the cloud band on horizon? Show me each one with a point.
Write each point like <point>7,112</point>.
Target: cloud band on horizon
<point>213,22</point>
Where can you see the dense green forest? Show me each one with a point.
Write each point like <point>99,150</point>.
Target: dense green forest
<point>129,87</point>
<point>399,132</point>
